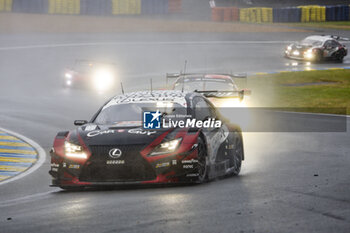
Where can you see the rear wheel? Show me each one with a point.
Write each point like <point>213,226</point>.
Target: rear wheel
<point>339,57</point>
<point>202,161</point>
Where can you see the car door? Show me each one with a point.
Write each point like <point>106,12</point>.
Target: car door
<point>331,47</point>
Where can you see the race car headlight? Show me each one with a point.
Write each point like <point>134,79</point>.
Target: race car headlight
<point>166,147</point>
<point>289,48</point>
<point>309,54</point>
<point>68,75</point>
<point>296,53</point>
<point>74,151</point>
<point>103,80</point>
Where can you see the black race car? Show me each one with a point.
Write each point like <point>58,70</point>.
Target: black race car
<point>145,138</point>
<point>100,76</point>
<point>317,48</point>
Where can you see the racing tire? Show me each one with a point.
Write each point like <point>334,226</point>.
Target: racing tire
<point>339,57</point>
<point>318,57</point>
<point>202,161</point>
<point>237,155</point>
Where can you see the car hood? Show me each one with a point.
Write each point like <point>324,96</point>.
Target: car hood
<point>112,135</point>
<point>298,46</point>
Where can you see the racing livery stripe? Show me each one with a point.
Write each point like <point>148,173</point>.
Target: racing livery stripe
<point>16,156</point>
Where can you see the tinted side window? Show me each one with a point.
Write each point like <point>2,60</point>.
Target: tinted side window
<point>335,43</point>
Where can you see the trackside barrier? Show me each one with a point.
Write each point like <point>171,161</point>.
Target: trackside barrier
<point>217,14</point>
<point>96,7</point>
<point>175,6</point>
<point>256,15</point>
<point>5,5</point>
<point>65,7</point>
<point>154,6</point>
<point>341,12</point>
<point>225,14</point>
<point>286,14</point>
<point>313,14</point>
<point>126,7</point>
<point>30,6</point>
<point>308,13</point>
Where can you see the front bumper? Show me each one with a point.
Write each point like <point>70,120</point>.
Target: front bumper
<point>176,168</point>
<point>301,57</point>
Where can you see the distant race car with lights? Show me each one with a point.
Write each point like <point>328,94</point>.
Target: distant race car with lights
<point>220,89</point>
<point>114,147</point>
<point>318,48</point>
<point>100,76</point>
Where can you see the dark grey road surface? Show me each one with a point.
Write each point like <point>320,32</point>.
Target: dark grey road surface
<point>290,182</point>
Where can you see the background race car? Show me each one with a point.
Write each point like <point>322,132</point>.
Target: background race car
<point>317,48</point>
<point>221,89</point>
<point>94,75</point>
<point>118,147</point>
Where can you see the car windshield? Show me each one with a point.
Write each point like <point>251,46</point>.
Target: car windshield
<point>311,42</point>
<point>205,85</point>
<point>133,111</point>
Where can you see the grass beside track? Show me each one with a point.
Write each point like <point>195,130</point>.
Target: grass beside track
<point>314,91</point>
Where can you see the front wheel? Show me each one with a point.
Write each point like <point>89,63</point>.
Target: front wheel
<point>237,155</point>
<point>202,161</point>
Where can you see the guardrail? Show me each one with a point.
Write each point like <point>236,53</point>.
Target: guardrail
<point>314,13</point>
<point>92,7</point>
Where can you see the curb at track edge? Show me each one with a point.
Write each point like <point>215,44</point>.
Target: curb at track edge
<point>35,166</point>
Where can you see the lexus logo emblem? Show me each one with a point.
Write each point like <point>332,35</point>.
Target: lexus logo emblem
<point>115,153</point>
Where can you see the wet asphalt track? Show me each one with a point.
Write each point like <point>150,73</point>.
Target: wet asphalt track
<point>290,182</point>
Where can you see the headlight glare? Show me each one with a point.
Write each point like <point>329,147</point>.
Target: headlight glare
<point>103,80</point>
<point>166,147</point>
<point>74,151</point>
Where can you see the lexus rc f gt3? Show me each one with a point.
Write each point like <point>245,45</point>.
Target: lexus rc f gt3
<point>317,48</point>
<point>220,89</point>
<point>90,74</point>
<point>114,147</point>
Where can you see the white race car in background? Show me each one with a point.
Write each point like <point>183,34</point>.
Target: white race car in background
<point>94,75</point>
<point>317,48</point>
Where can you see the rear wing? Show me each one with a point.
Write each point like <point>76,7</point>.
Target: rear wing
<point>178,75</point>
<point>225,94</point>
<point>339,38</point>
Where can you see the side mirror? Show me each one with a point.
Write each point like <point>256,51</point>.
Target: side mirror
<point>80,122</point>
